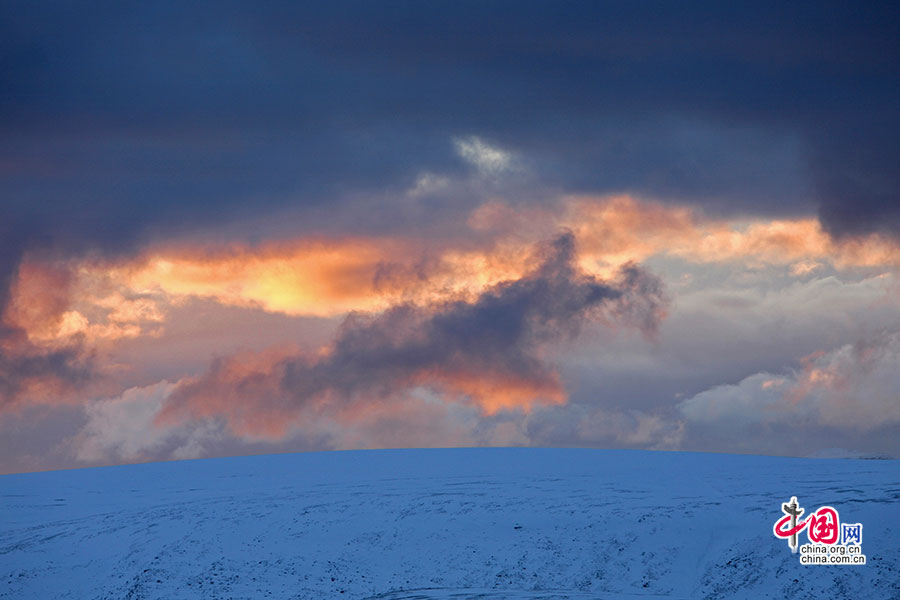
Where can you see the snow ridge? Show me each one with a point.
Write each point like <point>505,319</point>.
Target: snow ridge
<point>512,523</point>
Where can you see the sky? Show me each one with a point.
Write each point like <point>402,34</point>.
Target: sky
<point>238,228</point>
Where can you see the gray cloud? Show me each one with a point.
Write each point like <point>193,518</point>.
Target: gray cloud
<point>476,351</point>
<point>845,393</point>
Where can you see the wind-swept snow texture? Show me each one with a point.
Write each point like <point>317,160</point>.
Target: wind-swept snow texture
<point>429,524</point>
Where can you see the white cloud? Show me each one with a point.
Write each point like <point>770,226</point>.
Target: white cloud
<point>755,399</point>
<point>122,429</point>
<point>428,183</point>
<point>855,387</point>
<point>489,160</point>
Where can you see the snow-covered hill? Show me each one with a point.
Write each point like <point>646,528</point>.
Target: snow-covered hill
<point>462,523</point>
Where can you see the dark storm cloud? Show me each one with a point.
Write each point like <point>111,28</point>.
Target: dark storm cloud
<point>117,118</point>
<point>486,351</point>
<point>53,373</point>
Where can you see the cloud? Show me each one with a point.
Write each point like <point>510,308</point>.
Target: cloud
<point>852,388</point>
<point>322,277</point>
<point>489,160</point>
<point>488,352</point>
<point>47,347</point>
<point>122,429</point>
<point>100,299</point>
<point>631,429</point>
<point>613,230</point>
<point>696,105</point>
<point>30,375</point>
<point>109,149</point>
<point>621,228</point>
<point>584,422</point>
<point>32,372</point>
<point>855,172</point>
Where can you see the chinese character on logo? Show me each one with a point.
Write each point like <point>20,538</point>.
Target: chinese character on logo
<point>792,511</point>
<point>851,533</point>
<point>823,526</point>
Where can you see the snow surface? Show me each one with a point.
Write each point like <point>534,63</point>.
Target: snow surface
<point>509,523</point>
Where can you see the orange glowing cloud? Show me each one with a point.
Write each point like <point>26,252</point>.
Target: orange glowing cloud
<point>309,278</point>
<point>317,277</point>
<point>57,304</point>
<point>612,231</point>
<point>486,352</point>
<point>497,392</point>
<point>237,387</point>
<point>32,372</point>
<point>102,301</point>
<point>38,299</point>
<point>249,391</point>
